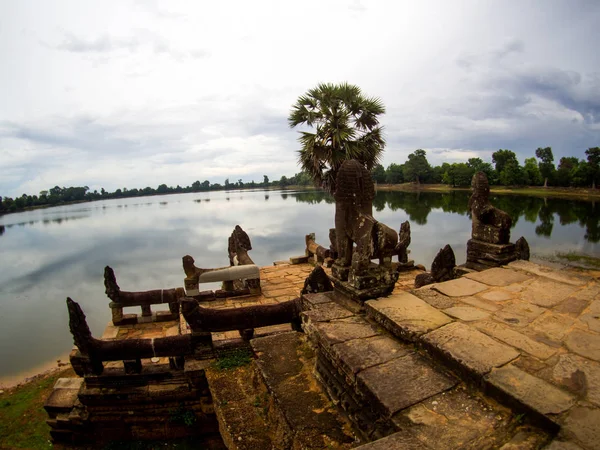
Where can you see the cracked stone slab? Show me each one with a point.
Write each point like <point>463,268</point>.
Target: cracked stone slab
<point>592,320</point>
<point>584,344</point>
<point>531,391</point>
<point>466,313</point>
<point>544,271</point>
<point>518,313</point>
<point>325,312</point>
<point>405,315</point>
<point>456,419</point>
<point>404,439</point>
<point>554,326</point>
<point>516,339</point>
<point>498,276</point>
<point>479,303</point>
<point>579,375</point>
<point>461,287</point>
<point>470,348</point>
<point>546,292</point>
<point>402,382</point>
<point>583,424</point>
<point>342,330</point>
<point>359,354</point>
<point>496,296</point>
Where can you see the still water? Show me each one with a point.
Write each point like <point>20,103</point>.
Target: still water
<point>49,254</point>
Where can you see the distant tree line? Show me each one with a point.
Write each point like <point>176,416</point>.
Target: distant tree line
<point>504,170</point>
<point>60,195</point>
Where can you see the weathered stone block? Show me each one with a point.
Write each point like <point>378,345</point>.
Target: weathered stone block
<point>419,380</point>
<point>461,287</point>
<point>530,391</point>
<point>584,344</point>
<point>498,276</point>
<point>405,315</point>
<point>469,348</point>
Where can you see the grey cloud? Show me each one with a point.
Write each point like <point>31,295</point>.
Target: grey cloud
<point>142,38</point>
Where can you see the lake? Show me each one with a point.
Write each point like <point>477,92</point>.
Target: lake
<point>49,254</point>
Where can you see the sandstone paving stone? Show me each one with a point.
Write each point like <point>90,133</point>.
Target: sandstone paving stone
<point>562,445</point>
<point>342,330</point>
<point>479,303</point>
<point>61,400</point>
<point>309,301</point>
<point>325,312</point>
<point>579,375</point>
<point>434,298</point>
<point>470,348</point>
<point>562,276</point>
<point>516,339</point>
<point>573,306</point>
<point>525,440</point>
<point>496,295</point>
<point>530,390</point>
<point>405,315</point>
<point>518,313</point>
<point>547,293</point>
<point>402,382</point>
<point>592,320</point>
<point>554,326</point>
<point>359,354</point>
<point>404,440</point>
<point>583,426</point>
<point>460,287</point>
<point>584,344</point>
<point>68,383</point>
<point>498,276</point>
<point>466,313</point>
<point>457,419</point>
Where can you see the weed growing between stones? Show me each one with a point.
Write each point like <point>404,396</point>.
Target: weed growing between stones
<point>236,358</point>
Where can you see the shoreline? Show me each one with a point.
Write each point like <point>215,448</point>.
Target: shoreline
<point>533,191</point>
<point>41,370</point>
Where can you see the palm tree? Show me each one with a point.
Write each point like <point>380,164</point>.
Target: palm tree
<point>346,127</point>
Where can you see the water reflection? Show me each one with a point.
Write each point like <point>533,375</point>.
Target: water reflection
<point>53,253</point>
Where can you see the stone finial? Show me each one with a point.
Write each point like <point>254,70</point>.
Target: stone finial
<point>317,281</point>
<point>490,224</point>
<point>442,268</point>
<point>403,242</point>
<point>113,290</point>
<point>522,248</point>
<point>82,336</point>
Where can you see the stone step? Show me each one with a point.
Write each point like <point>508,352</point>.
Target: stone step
<point>396,394</point>
<point>242,404</point>
<point>285,363</point>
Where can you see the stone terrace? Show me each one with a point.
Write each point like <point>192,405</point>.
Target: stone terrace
<point>526,333</point>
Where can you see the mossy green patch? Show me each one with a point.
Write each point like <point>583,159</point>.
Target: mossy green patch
<point>236,358</point>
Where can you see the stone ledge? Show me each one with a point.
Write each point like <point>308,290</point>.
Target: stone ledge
<point>530,391</point>
<point>468,349</point>
<point>405,315</point>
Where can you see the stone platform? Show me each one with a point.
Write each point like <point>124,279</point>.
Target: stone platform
<point>527,335</point>
<point>505,358</point>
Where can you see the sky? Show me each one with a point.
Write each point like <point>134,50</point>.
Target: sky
<point>121,93</point>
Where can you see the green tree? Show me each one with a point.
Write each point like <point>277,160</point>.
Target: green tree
<point>458,174</point>
<point>265,180</point>
<point>346,126</point>
<point>593,159</point>
<point>378,173</point>
<point>478,165</point>
<point>417,168</point>
<point>394,174</point>
<point>503,157</point>
<point>533,172</point>
<point>546,167</point>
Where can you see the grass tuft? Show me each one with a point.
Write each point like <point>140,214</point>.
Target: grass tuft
<point>236,358</point>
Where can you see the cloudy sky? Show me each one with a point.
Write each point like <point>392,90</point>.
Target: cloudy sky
<point>131,94</point>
